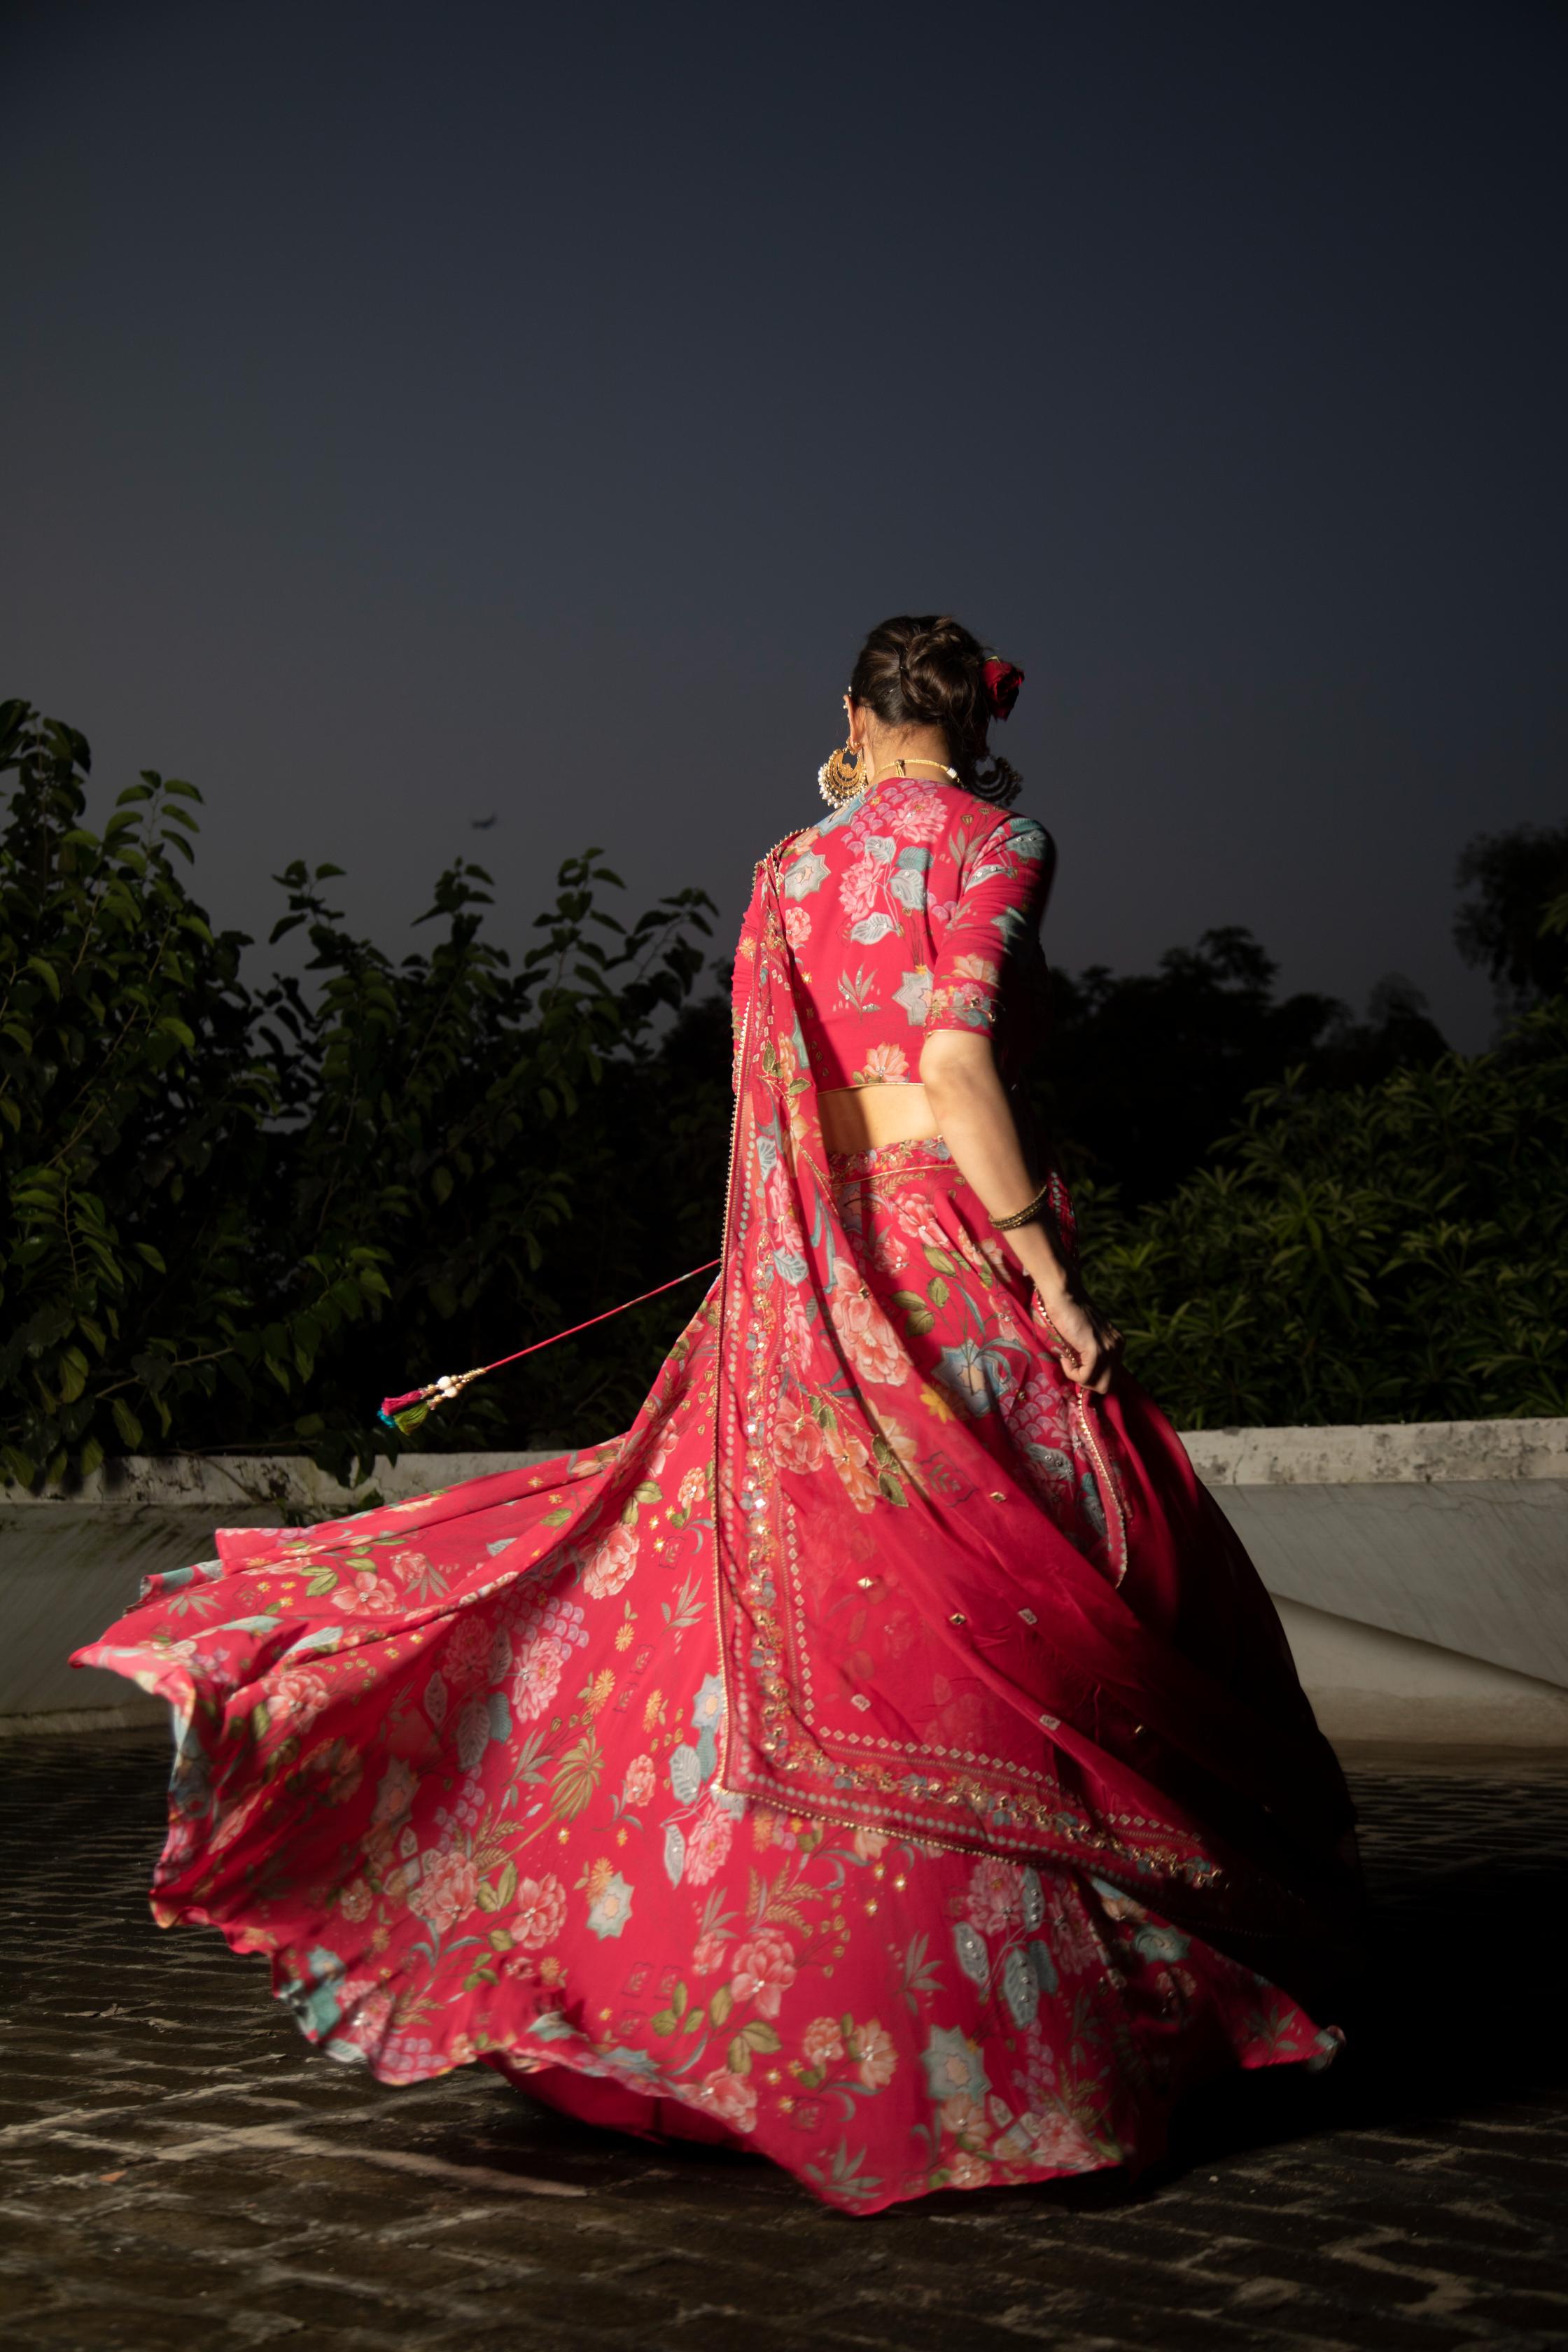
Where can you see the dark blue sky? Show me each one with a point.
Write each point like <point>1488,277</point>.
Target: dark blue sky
<point>413,412</point>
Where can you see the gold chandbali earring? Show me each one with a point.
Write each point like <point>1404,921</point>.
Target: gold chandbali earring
<point>842,776</point>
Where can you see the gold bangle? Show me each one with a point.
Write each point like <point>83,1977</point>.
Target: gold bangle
<point>1023,1216</point>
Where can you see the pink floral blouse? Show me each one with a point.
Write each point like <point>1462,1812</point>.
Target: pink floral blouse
<point>916,908</point>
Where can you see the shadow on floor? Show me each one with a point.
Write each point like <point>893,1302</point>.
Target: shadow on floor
<point>1452,2013</point>
<point>1438,2026</point>
<point>1470,1882</point>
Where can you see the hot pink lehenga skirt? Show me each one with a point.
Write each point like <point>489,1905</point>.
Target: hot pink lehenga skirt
<point>453,1765</point>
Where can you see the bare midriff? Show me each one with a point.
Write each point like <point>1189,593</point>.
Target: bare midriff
<point>864,1118</point>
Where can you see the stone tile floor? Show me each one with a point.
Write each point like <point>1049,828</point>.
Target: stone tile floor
<point>179,2169</point>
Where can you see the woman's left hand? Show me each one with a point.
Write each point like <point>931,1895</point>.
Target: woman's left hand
<point>1088,1342</point>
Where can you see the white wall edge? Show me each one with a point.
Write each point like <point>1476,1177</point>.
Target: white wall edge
<point>1420,1569</point>
<point>1406,1453</point>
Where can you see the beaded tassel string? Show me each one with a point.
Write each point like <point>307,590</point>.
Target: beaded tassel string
<point>404,1413</point>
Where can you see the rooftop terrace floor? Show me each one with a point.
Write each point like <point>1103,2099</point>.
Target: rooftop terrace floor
<point>176,2168</point>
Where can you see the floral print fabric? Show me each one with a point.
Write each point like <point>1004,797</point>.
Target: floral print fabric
<point>455,1766</point>
<point>914,908</point>
<point>497,1774</point>
<point>960,1598</point>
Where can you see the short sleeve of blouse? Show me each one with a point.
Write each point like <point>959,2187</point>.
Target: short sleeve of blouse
<point>1001,896</point>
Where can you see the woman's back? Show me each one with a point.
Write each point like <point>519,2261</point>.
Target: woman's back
<point>909,911</point>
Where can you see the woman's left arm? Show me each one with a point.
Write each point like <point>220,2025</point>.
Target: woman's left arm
<point>1006,876</point>
<point>968,1102</point>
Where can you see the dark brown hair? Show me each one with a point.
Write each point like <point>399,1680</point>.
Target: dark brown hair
<point>926,671</point>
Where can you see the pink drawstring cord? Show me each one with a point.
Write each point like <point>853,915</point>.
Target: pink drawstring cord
<point>404,1413</point>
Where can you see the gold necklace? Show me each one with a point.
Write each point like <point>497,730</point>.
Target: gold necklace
<point>899,766</point>
<point>880,777</point>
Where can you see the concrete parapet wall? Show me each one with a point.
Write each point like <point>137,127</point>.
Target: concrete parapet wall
<point>69,1566</point>
<point>1380,1453</point>
<point>1421,1569</point>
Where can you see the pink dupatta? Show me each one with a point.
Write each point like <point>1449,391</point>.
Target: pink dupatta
<point>910,1643</point>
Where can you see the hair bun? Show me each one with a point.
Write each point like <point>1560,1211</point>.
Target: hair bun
<point>937,671</point>
<point>928,670</point>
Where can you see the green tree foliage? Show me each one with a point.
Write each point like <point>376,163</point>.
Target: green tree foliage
<point>233,1217</point>
<point>1513,876</point>
<point>1397,1252</point>
<point>131,1102</point>
<point>1144,1071</point>
<point>479,1128</point>
<point>236,1216</point>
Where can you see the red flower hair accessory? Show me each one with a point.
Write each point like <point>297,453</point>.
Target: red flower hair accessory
<point>1002,684</point>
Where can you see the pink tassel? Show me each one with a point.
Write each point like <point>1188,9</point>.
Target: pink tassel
<point>404,1413</point>
<point>390,1405</point>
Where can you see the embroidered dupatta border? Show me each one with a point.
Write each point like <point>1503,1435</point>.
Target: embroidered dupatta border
<point>776,1750</point>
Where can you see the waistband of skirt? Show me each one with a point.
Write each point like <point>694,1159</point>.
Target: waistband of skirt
<point>890,1158</point>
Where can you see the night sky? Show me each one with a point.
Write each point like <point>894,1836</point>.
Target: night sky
<point>412,413</point>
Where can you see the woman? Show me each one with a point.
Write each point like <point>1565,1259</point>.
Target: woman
<point>883,1755</point>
